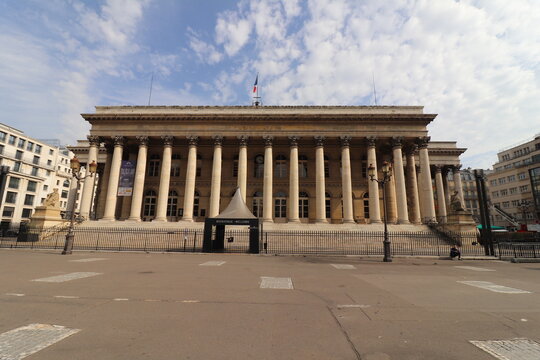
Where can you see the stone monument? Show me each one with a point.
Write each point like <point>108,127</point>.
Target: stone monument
<point>459,219</point>
<point>48,214</point>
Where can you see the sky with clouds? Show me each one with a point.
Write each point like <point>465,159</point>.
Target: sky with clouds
<point>473,62</point>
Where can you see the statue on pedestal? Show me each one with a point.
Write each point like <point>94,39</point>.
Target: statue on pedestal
<point>455,202</point>
<point>52,200</point>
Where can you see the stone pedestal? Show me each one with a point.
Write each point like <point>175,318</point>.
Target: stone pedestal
<point>46,216</point>
<point>460,221</point>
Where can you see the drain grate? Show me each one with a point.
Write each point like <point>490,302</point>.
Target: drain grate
<point>514,349</point>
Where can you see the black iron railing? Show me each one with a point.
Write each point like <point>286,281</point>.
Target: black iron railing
<point>272,242</point>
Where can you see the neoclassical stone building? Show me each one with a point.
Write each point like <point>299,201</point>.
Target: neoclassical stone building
<point>293,164</point>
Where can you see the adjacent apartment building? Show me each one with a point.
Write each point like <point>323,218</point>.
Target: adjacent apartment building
<point>514,184</point>
<point>31,170</point>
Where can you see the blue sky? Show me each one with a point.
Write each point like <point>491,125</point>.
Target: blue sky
<point>475,63</point>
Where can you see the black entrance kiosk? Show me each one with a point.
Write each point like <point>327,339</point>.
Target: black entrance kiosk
<point>237,213</point>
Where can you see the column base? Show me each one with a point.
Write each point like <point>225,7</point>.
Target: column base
<point>135,219</point>
<point>268,221</point>
<point>295,221</point>
<point>159,220</point>
<point>349,221</point>
<point>375,221</point>
<point>403,222</point>
<point>186,220</point>
<point>321,221</point>
<point>107,219</point>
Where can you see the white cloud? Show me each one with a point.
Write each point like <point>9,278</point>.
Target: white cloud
<point>206,53</point>
<point>475,63</point>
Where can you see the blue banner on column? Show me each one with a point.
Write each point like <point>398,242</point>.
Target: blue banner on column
<point>127,176</point>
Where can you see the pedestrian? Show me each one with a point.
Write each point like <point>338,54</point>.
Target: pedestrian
<point>454,252</point>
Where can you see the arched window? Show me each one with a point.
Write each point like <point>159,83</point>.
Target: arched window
<point>172,203</point>
<point>153,165</point>
<point>326,167</point>
<point>259,166</point>
<point>257,204</point>
<point>199,165</point>
<point>175,165</point>
<point>149,209</point>
<point>280,205</point>
<point>302,166</point>
<point>196,204</point>
<point>366,205</point>
<point>327,204</point>
<point>235,166</point>
<point>303,204</point>
<point>281,166</point>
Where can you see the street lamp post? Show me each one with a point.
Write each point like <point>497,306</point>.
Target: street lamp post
<point>75,166</point>
<point>387,173</point>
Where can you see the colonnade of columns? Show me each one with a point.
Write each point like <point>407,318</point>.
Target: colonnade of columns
<point>409,199</point>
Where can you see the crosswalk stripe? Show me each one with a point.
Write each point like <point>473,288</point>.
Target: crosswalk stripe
<point>494,287</point>
<point>68,277</point>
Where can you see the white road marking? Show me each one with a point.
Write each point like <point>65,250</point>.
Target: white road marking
<point>66,297</point>
<point>68,277</point>
<point>190,301</point>
<point>213,263</point>
<point>88,260</point>
<point>120,299</point>
<point>494,287</point>
<point>353,306</point>
<point>13,294</point>
<point>276,283</point>
<point>152,300</point>
<point>473,268</point>
<point>343,266</point>
<point>514,349</point>
<point>24,341</point>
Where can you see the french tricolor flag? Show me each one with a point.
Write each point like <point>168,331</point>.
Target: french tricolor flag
<point>255,85</point>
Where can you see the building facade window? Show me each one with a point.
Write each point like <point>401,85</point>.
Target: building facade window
<point>172,204</point>
<point>35,171</point>
<point>26,213</point>
<point>257,204</point>
<point>51,152</point>
<point>8,211</point>
<point>196,204</point>
<point>150,199</point>
<point>327,208</point>
<point>175,168</point>
<point>522,176</point>
<point>3,136</point>
<point>18,155</point>
<point>12,140</point>
<point>281,166</point>
<point>30,146</point>
<point>495,194</point>
<point>303,203</point>
<point>259,166</point>
<point>524,188</point>
<point>29,200</point>
<point>31,186</point>
<point>513,190</point>
<point>504,192</point>
<point>38,149</point>
<point>235,166</point>
<point>1,149</point>
<point>511,178</point>
<point>326,167</point>
<point>302,166</point>
<point>366,206</point>
<point>280,205</point>
<point>17,166</point>
<point>14,183</point>
<point>64,194</point>
<point>35,160</point>
<point>11,197</point>
<point>153,165</point>
<point>198,170</point>
<point>502,181</point>
<point>21,143</point>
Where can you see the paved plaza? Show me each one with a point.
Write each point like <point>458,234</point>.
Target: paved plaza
<point>105,305</point>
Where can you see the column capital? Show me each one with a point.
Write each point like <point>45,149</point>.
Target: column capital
<point>192,140</point>
<point>293,140</point>
<point>94,140</point>
<point>167,140</point>
<point>456,168</point>
<point>243,140</point>
<point>319,140</point>
<point>142,139</point>
<point>396,142</point>
<point>268,140</point>
<point>370,141</point>
<point>410,149</point>
<point>423,141</point>
<point>118,140</point>
<point>218,140</point>
<point>438,168</point>
<point>345,140</point>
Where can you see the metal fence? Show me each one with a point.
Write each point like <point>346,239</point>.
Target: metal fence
<point>518,250</point>
<point>271,242</point>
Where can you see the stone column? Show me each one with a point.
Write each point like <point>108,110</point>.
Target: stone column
<point>446,187</point>
<point>457,184</point>
<point>112,188</point>
<point>426,189</point>
<point>268,180</point>
<point>72,198</point>
<point>412,186</point>
<point>293,181</point>
<point>138,184</point>
<point>242,166</point>
<point>90,181</point>
<point>399,176</point>
<point>104,183</point>
<point>441,201</point>
<point>215,187</point>
<point>346,180</point>
<point>391,205</point>
<point>373,186</point>
<point>191,172</point>
<point>164,179</point>
<point>320,188</point>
